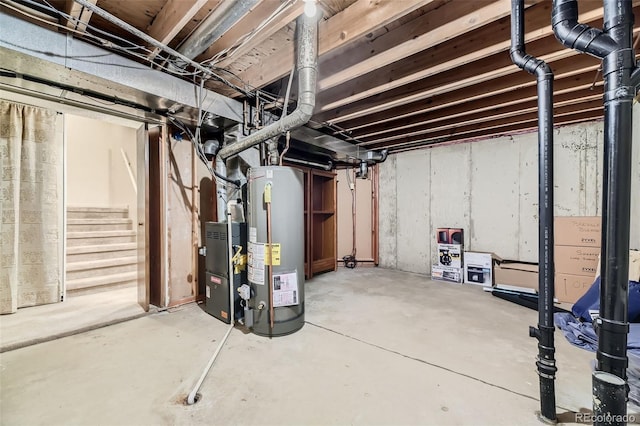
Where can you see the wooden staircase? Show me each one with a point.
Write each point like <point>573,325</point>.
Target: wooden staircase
<point>101,250</point>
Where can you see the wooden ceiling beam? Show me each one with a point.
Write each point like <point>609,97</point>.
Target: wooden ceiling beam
<point>451,55</point>
<point>474,112</point>
<point>80,16</point>
<point>526,126</point>
<point>480,75</point>
<point>447,22</point>
<point>352,23</point>
<point>573,88</point>
<point>482,96</point>
<point>248,24</point>
<point>529,120</point>
<point>480,118</point>
<point>172,18</point>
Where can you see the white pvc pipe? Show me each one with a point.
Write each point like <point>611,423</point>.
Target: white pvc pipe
<point>191,399</point>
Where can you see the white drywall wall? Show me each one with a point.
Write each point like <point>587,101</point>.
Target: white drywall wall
<point>97,171</point>
<point>344,198</point>
<point>490,188</point>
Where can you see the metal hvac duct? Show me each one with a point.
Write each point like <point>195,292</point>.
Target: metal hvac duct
<point>225,16</point>
<point>40,56</point>
<point>307,68</point>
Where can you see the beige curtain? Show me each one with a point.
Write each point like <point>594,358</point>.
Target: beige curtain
<point>30,200</point>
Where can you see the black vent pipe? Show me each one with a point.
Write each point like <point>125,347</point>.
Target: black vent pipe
<point>544,333</point>
<point>613,45</point>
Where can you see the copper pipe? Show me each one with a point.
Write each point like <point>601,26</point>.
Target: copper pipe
<point>374,214</point>
<point>270,267</point>
<point>353,216</point>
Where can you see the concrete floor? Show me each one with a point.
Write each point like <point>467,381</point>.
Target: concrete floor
<point>380,347</point>
<point>78,313</point>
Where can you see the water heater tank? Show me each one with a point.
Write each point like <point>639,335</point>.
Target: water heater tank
<point>283,187</point>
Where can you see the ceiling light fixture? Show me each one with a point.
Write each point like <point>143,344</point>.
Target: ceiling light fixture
<point>310,8</point>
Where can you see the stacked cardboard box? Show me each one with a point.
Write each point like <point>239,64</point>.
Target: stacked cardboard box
<point>450,255</point>
<point>576,251</point>
<point>516,275</point>
<point>478,268</point>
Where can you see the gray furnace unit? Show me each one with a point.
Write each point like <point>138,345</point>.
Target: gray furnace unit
<point>217,268</point>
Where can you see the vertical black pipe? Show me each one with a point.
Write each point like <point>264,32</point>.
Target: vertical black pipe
<point>617,67</point>
<point>545,332</point>
<point>612,392</point>
<point>613,45</point>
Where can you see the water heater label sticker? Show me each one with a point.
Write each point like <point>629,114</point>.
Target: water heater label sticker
<point>285,289</point>
<point>253,234</point>
<point>269,174</point>
<point>208,293</point>
<point>255,263</point>
<point>272,254</point>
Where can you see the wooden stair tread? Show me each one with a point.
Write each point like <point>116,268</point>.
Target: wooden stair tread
<point>101,263</point>
<point>97,209</point>
<point>97,221</point>
<point>81,283</point>
<point>98,234</point>
<point>101,248</point>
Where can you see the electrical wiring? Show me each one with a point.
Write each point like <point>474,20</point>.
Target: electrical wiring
<point>229,51</point>
<point>71,18</point>
<point>200,152</point>
<point>145,54</point>
<point>93,39</point>
<point>199,76</point>
<point>106,43</point>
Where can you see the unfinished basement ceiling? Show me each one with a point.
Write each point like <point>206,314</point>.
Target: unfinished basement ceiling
<point>396,74</point>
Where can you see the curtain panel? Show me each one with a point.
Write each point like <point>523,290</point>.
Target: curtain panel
<point>31,206</point>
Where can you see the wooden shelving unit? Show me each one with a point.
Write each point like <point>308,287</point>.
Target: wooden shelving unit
<point>319,221</point>
<point>323,222</point>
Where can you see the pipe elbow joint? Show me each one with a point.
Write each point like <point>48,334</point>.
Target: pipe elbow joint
<point>543,71</point>
<point>517,56</point>
<point>525,61</point>
<point>583,38</point>
<point>564,31</point>
<point>306,111</point>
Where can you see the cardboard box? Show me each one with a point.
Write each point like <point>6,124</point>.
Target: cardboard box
<point>570,288</point>
<point>478,268</point>
<point>576,260</point>
<point>446,273</point>
<point>450,255</point>
<point>577,231</point>
<point>517,274</point>
<point>450,236</point>
<point>634,266</point>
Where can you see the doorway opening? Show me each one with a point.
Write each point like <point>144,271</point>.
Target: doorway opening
<point>103,176</point>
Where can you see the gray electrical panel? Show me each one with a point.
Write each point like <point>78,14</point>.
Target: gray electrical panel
<point>217,268</point>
